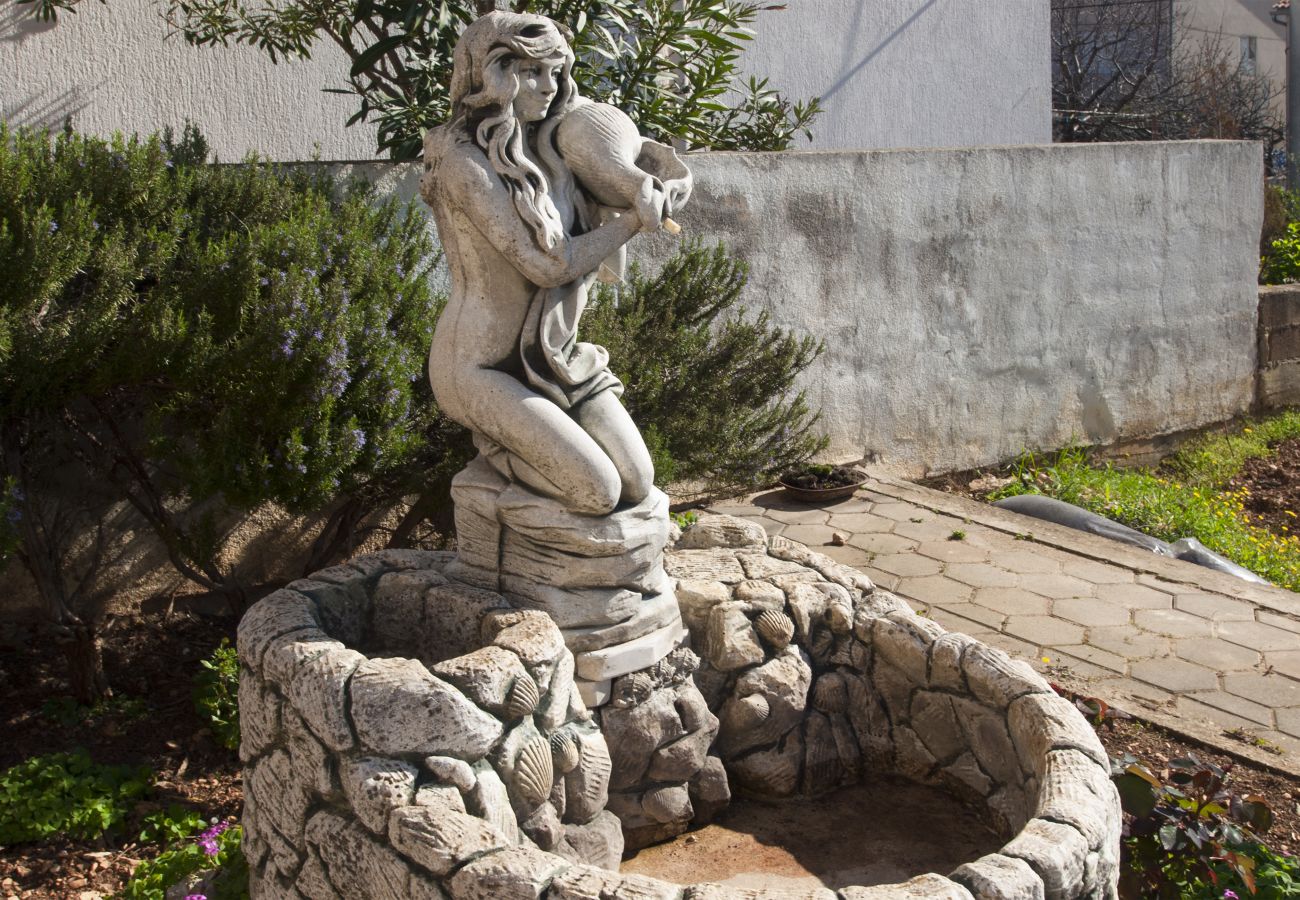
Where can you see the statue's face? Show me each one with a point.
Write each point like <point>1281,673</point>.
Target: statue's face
<point>539,80</point>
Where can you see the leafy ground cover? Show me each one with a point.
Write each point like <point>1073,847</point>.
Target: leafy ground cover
<point>1237,492</point>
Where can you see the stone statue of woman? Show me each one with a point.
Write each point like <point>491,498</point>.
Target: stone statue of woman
<point>523,239</point>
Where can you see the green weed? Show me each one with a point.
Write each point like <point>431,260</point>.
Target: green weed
<point>66,793</point>
<point>216,690</point>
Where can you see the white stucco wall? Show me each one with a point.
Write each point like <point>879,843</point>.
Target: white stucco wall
<point>913,73</point>
<point>979,303</point>
<point>112,68</point>
<point>893,72</point>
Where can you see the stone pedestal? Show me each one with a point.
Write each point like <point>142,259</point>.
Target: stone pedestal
<point>600,578</point>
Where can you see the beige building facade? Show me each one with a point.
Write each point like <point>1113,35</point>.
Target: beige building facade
<point>1247,32</point>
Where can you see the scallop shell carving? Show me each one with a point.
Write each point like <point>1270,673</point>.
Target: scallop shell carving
<point>595,766</point>
<point>564,751</point>
<point>822,645</point>
<point>523,698</point>
<point>534,772</point>
<point>830,694</point>
<point>633,690</point>
<point>776,628</point>
<point>755,709</point>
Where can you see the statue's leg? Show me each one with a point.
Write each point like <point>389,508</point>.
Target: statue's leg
<point>604,418</point>
<point>549,450</point>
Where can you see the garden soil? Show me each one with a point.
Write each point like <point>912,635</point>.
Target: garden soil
<point>1272,486</point>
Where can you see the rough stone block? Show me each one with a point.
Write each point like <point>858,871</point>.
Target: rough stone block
<point>528,634</point>
<point>711,531</point>
<point>773,772</point>
<point>1056,854</point>
<point>633,735</point>
<point>760,595</point>
<point>923,887</point>
<point>905,643</point>
<point>596,843</point>
<point>1043,722</point>
<point>1077,791</point>
<point>710,791</point>
<point>557,703</point>
<point>768,701</point>
<point>316,765</point>
<point>358,865</point>
<point>280,796</point>
<point>965,777</point>
<point>997,679</point>
<point>585,882</point>
<point>518,873</point>
<point>945,661</point>
<point>490,801</point>
<point>641,653</point>
<point>287,653</point>
<point>319,694</point>
<point>313,882</point>
<point>704,565</point>
<point>587,786</point>
<point>681,759</point>
<point>711,891</point>
<point>730,640</point>
<point>571,607</point>
<point>870,722</point>
<point>375,787</point>
<point>398,618</point>
<point>486,676</point>
<point>822,769</point>
<point>808,609</point>
<point>651,614</point>
<point>987,736</point>
<point>342,597</point>
<point>998,877</point>
<point>441,840</point>
<point>259,716</point>
<point>454,614</point>
<point>400,709</point>
<point>274,615</point>
<point>935,723</point>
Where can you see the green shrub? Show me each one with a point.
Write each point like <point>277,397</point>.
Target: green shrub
<point>171,825</point>
<point>216,848</point>
<point>66,793</point>
<point>710,387</point>
<point>216,694</point>
<point>67,712</point>
<point>195,340</point>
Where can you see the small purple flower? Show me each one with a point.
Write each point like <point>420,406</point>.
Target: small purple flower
<point>169,164</point>
<point>14,516</point>
<point>54,226</point>
<point>94,224</point>
<point>196,897</point>
<point>264,281</point>
<point>1230,895</point>
<point>359,437</point>
<point>208,839</point>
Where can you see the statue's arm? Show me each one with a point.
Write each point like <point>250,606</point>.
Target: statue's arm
<point>474,188</point>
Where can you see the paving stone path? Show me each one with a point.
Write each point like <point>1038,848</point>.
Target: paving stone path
<point>1192,649</point>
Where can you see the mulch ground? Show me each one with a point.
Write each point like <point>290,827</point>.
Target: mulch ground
<point>1273,488</point>
<point>150,658</point>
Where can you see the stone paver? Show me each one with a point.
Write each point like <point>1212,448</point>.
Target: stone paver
<point>1056,585</point>
<point>1174,674</point>
<point>935,589</point>
<point>1090,612</point>
<point>1136,596</point>
<point>1260,637</point>
<point>1216,654</point>
<point>981,575</point>
<point>1173,623</point>
<point>1013,601</point>
<point>1157,639</point>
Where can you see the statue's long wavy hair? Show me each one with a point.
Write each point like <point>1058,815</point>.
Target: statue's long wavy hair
<point>484,84</point>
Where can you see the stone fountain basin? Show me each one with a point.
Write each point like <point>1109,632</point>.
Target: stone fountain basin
<point>388,739</point>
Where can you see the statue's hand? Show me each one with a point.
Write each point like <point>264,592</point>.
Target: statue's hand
<point>649,206</point>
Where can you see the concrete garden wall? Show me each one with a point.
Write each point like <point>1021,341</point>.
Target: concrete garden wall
<point>977,303</point>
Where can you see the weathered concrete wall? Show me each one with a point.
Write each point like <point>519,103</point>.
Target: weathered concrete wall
<point>894,73</point>
<point>982,302</point>
<point>1279,346</point>
<point>913,73</point>
<point>977,303</point>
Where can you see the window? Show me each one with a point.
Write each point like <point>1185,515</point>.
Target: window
<point>1249,55</point>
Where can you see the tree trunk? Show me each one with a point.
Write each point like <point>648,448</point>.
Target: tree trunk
<point>85,656</point>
